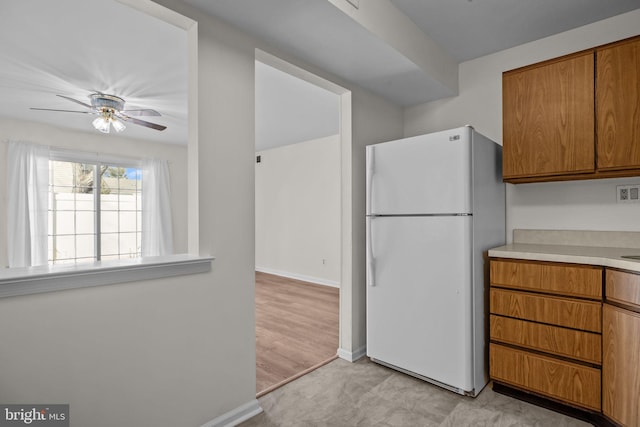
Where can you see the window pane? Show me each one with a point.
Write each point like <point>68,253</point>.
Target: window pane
<point>85,222</point>
<point>61,174</point>
<point>127,202</point>
<point>128,245</point>
<point>64,247</point>
<point>128,221</point>
<point>109,244</point>
<point>85,202</point>
<point>83,176</point>
<point>109,221</point>
<point>109,202</point>
<point>50,248</point>
<point>85,246</point>
<point>64,201</point>
<point>120,211</point>
<point>63,223</point>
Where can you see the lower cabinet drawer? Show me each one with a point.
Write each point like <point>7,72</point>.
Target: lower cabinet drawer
<point>585,346</point>
<point>623,287</point>
<point>569,382</point>
<point>568,312</point>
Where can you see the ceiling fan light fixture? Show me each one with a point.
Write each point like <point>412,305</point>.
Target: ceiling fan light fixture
<point>101,124</point>
<point>110,111</point>
<point>118,125</point>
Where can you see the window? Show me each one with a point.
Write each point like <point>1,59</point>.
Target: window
<point>68,206</point>
<point>94,211</point>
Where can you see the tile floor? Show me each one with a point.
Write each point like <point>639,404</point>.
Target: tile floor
<point>343,394</point>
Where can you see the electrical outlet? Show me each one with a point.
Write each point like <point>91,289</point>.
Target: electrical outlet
<point>628,193</point>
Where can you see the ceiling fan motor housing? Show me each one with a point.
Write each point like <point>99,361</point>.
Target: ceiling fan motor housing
<point>101,101</point>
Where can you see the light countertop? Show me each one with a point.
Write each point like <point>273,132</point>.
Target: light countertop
<point>592,255</point>
<point>603,248</point>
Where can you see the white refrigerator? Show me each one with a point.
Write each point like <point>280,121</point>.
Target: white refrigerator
<point>435,205</point>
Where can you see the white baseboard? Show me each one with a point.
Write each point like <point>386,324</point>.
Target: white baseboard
<point>316,280</point>
<point>352,356</point>
<point>236,416</point>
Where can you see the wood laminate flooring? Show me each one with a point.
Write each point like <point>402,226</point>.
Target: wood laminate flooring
<point>296,328</point>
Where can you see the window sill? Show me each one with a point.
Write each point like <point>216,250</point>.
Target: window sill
<point>34,280</point>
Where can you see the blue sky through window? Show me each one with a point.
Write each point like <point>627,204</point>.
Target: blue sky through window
<point>134,173</point>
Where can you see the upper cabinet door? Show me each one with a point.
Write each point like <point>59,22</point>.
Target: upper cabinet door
<point>618,105</point>
<point>548,118</point>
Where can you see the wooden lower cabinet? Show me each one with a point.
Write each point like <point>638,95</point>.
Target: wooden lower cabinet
<point>571,382</point>
<point>551,337</point>
<point>621,365</point>
<point>546,330</point>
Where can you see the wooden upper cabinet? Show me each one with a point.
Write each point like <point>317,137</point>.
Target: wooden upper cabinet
<point>574,117</point>
<point>548,118</point>
<point>618,105</point>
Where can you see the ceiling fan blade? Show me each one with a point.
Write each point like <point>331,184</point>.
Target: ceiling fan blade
<point>142,112</point>
<point>64,111</point>
<point>140,122</point>
<point>76,101</point>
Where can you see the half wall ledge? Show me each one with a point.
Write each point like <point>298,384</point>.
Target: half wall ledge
<point>50,278</point>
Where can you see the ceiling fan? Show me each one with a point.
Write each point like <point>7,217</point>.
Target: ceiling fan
<point>110,111</point>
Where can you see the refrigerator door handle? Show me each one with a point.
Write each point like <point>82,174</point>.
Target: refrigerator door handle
<point>370,255</point>
<point>370,163</point>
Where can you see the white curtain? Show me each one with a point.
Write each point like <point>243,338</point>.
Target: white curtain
<point>157,230</point>
<point>28,188</point>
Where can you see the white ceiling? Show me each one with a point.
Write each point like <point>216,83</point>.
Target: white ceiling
<point>468,29</point>
<point>76,47</point>
<point>291,110</point>
<point>319,33</point>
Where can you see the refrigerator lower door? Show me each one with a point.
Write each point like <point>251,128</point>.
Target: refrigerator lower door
<point>419,300</point>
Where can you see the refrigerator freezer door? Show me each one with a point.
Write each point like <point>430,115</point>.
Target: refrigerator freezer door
<point>427,174</point>
<point>419,313</point>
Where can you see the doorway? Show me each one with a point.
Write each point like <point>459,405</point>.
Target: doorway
<point>299,211</point>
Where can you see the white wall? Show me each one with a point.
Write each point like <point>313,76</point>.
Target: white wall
<point>298,210</point>
<point>181,351</point>
<point>93,141</point>
<point>169,352</point>
<point>559,205</point>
